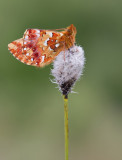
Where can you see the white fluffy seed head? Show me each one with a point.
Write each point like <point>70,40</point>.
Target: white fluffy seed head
<point>68,67</point>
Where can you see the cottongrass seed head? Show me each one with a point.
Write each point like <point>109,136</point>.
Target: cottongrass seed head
<point>67,68</point>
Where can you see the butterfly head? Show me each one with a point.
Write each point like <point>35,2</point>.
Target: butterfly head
<point>70,35</point>
<point>71,30</point>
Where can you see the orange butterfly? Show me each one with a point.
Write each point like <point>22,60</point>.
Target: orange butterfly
<point>40,47</point>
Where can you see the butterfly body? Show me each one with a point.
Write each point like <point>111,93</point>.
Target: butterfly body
<point>40,47</point>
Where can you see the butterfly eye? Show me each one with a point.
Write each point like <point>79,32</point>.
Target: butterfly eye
<point>69,31</point>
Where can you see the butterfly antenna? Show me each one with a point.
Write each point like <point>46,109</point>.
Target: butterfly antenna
<point>56,29</point>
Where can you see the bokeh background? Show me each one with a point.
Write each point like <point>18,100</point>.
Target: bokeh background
<point>31,108</point>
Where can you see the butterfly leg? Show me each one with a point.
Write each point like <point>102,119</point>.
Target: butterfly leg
<point>64,50</point>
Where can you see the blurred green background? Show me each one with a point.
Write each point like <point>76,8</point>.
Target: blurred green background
<point>31,108</point>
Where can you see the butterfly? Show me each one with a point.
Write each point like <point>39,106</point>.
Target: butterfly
<point>39,47</point>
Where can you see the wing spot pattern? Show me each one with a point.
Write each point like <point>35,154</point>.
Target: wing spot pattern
<point>45,42</point>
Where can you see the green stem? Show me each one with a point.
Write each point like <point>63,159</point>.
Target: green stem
<point>66,126</point>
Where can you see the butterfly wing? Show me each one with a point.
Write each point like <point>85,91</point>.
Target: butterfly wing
<point>37,47</point>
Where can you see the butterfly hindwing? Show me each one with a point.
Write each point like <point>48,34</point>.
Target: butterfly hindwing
<point>37,47</point>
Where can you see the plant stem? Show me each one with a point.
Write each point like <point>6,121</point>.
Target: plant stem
<point>66,125</point>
